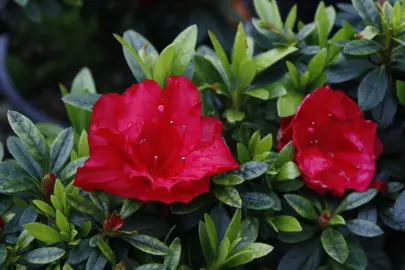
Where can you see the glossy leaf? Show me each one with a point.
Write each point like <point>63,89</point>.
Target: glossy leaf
<point>256,201</point>
<point>302,206</point>
<point>355,199</point>
<point>43,232</point>
<point>252,170</point>
<point>335,245</point>
<point>364,228</point>
<point>229,196</point>
<point>60,150</point>
<point>44,255</point>
<point>148,244</point>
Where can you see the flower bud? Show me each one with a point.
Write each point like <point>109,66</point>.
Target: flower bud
<point>379,185</point>
<point>48,182</point>
<point>121,266</point>
<point>323,219</point>
<point>113,223</point>
<point>2,225</point>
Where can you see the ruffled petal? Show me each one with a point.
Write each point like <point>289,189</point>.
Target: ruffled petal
<point>211,155</point>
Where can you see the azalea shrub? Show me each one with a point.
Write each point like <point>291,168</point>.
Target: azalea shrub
<point>285,153</point>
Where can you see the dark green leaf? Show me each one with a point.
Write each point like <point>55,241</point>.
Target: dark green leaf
<point>288,186</point>
<point>362,47</point>
<point>60,150</point>
<point>296,237</point>
<point>96,261</point>
<point>152,266</point>
<point>195,204</point>
<point>106,250</point>
<point>79,253</point>
<point>256,201</point>
<point>205,243</point>
<point>229,196</point>
<point>364,228</point>
<point>24,157</point>
<point>229,180</point>
<point>373,89</point>
<point>3,253</point>
<point>16,185</point>
<point>83,81</point>
<point>148,244</point>
<point>302,206</point>
<point>385,112</point>
<point>70,170</point>
<point>307,253</point>
<point>347,70</point>
<point>357,259</point>
<point>29,135</point>
<point>367,10</point>
<point>129,207</point>
<point>335,245</point>
<point>85,206</point>
<point>44,255</point>
<point>252,170</point>
<point>173,259</point>
<point>83,101</point>
<point>249,230</point>
<point>355,199</point>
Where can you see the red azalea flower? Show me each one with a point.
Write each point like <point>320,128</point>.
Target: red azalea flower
<point>113,223</point>
<point>335,146</point>
<point>2,226</point>
<point>379,185</point>
<point>152,144</point>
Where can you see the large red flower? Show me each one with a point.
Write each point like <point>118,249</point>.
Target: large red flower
<point>152,144</point>
<point>335,146</point>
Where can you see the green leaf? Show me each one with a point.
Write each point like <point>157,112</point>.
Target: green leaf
<point>44,255</point>
<point>148,244</point>
<point>252,170</point>
<point>256,201</point>
<point>85,229</point>
<point>24,240</point>
<point>367,10</point>
<point>16,185</point>
<point>22,3</point>
<point>336,220</point>
<point>229,180</point>
<point>254,141</point>
<point>249,231</point>
<point>70,170</point>
<point>323,24</point>
<point>132,43</point>
<point>83,81</point>
<point>234,226</point>
<point>152,266</point>
<point>229,196</point>
<point>24,157</point>
<point>258,249</point>
<point>29,135</point>
<point>401,91</point>
<point>335,245</point>
<point>361,47</point>
<point>285,155</point>
<point>364,228</point>
<point>83,145</point>
<point>317,65</point>
<point>62,222</point>
<point>267,59</point>
<point>83,101</point>
<point>205,243</point>
<point>243,153</point>
<point>373,89</point>
<point>221,56</point>
<point>239,258</point>
<point>246,74</point>
<point>264,145</point>
<point>369,32</point>
<point>85,206</point>
<point>195,204</point>
<point>233,115</point>
<point>184,47</point>
<point>288,171</point>
<point>288,185</point>
<point>302,206</point>
<point>224,250</point>
<point>355,200</point>
<point>162,66</point>
<point>129,207</point>
<point>96,261</point>
<point>260,93</point>
<point>106,250</point>
<point>287,105</point>
<point>291,18</point>
<point>306,31</point>
<point>43,232</point>
<point>264,9</point>
<point>292,70</point>
<point>306,255</point>
<point>3,253</point>
<point>44,207</point>
<point>239,55</point>
<point>60,150</point>
<point>357,257</point>
<point>285,223</point>
<point>173,259</point>
<point>1,151</point>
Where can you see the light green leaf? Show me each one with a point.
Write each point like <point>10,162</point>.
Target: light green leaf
<point>184,47</point>
<point>267,59</point>
<point>317,65</point>
<point>83,145</point>
<point>285,223</point>
<point>43,233</point>
<point>106,250</point>
<point>264,145</point>
<point>162,66</point>
<point>288,171</point>
<point>260,93</point>
<point>44,207</point>
<point>62,222</point>
<point>288,104</point>
<point>173,259</point>
<point>221,56</point>
<point>336,220</point>
<point>246,73</point>
<point>233,115</point>
<point>401,91</point>
<point>234,226</point>
<point>369,32</point>
<point>285,155</point>
<point>129,207</point>
<point>291,18</point>
<point>24,240</point>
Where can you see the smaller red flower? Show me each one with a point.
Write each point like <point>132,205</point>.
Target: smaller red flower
<point>379,185</point>
<point>48,183</point>
<point>2,226</point>
<point>335,146</point>
<point>113,223</point>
